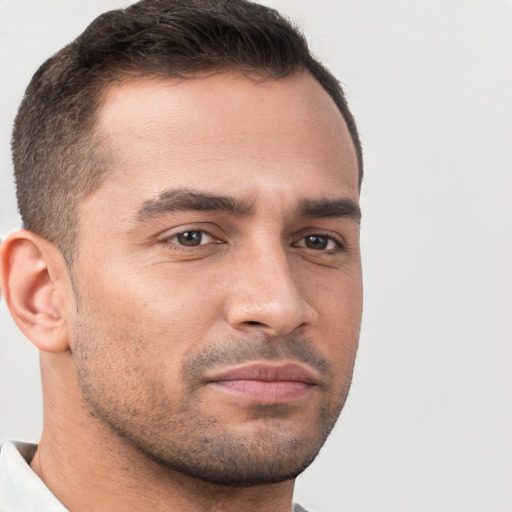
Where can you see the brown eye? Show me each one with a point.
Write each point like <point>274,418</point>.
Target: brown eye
<point>190,238</point>
<point>316,242</point>
<point>319,242</point>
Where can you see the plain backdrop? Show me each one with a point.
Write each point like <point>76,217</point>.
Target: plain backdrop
<point>428,424</point>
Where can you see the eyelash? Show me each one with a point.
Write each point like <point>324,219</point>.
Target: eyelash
<point>330,238</point>
<point>339,245</point>
<point>181,247</point>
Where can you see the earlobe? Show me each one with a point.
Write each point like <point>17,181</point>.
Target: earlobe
<point>33,290</point>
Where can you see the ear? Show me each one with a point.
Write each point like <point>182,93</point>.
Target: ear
<point>35,284</point>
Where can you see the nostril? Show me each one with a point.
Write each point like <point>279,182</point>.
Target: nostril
<point>253,322</point>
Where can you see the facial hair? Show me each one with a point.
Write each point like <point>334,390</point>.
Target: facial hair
<point>174,431</point>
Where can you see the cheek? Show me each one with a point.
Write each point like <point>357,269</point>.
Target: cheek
<point>338,299</point>
<point>339,304</point>
<point>157,314</point>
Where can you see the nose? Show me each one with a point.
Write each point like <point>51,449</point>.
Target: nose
<point>266,295</point>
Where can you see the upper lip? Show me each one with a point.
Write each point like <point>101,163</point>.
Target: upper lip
<point>267,372</point>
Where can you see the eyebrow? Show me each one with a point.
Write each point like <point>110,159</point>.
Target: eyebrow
<point>186,200</point>
<point>330,208</point>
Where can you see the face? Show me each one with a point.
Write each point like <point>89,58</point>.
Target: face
<point>218,280</point>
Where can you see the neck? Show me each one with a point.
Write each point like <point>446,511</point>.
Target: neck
<point>89,467</point>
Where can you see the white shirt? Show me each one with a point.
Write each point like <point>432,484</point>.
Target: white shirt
<point>21,490</point>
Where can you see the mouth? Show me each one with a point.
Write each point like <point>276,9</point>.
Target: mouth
<point>266,383</point>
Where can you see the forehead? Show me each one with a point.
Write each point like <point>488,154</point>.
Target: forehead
<point>225,134</point>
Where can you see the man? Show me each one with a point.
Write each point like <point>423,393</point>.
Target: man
<point>188,176</point>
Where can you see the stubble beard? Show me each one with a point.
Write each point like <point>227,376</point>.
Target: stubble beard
<point>179,436</point>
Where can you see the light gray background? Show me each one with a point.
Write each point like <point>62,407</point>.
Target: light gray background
<point>429,421</point>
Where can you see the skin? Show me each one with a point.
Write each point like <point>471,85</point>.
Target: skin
<point>133,339</point>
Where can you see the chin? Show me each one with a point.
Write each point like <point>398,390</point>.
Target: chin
<point>237,462</point>
<point>267,454</point>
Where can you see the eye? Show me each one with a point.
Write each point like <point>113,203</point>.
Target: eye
<point>192,238</point>
<point>318,242</point>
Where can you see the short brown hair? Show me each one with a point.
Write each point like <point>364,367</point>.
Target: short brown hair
<point>57,162</point>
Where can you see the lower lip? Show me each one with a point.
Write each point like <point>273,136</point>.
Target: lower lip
<point>270,392</point>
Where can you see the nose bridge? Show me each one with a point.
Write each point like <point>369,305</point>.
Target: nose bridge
<point>272,274</point>
<point>268,294</point>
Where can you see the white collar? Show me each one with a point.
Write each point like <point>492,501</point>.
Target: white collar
<point>20,488</point>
